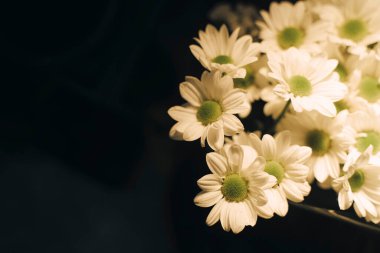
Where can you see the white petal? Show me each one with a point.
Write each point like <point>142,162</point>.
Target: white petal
<point>217,163</point>
<point>193,131</point>
<point>207,199</point>
<point>269,147</point>
<point>215,136</point>
<point>235,157</point>
<point>214,214</point>
<point>224,217</point>
<point>191,94</point>
<point>291,190</point>
<point>210,182</point>
<point>180,113</point>
<point>231,124</point>
<point>344,199</point>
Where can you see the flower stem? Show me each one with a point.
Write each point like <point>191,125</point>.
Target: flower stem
<point>282,114</point>
<point>271,129</point>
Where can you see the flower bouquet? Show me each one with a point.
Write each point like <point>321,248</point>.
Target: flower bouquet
<point>315,67</point>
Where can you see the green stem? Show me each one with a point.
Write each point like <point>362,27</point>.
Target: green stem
<point>271,129</point>
<point>282,114</point>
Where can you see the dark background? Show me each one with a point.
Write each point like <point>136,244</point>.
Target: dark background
<point>86,164</point>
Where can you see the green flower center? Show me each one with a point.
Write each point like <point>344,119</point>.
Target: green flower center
<point>234,188</point>
<point>372,138</point>
<point>356,180</point>
<point>290,37</point>
<point>319,141</point>
<point>342,71</point>
<point>354,29</point>
<point>222,59</point>
<point>369,89</point>
<point>209,112</point>
<point>275,169</point>
<point>341,105</point>
<point>300,86</point>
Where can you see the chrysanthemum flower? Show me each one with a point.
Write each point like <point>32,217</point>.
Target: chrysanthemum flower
<point>287,25</point>
<point>360,185</point>
<point>286,163</point>
<point>219,51</point>
<point>352,23</point>
<point>209,114</point>
<point>329,138</point>
<point>364,83</point>
<point>366,126</point>
<point>309,83</point>
<point>234,191</point>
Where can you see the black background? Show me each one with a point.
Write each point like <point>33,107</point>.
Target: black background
<point>86,164</point>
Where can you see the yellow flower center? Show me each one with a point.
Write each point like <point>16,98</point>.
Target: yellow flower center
<point>222,59</point>
<point>209,112</point>
<point>357,180</point>
<point>354,29</point>
<point>235,188</point>
<point>369,89</point>
<point>275,169</point>
<point>372,138</point>
<point>300,86</point>
<point>319,141</point>
<point>290,37</point>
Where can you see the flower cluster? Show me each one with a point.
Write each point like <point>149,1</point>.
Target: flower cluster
<point>316,65</point>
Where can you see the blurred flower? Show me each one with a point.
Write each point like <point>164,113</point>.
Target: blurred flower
<point>287,25</point>
<point>352,23</point>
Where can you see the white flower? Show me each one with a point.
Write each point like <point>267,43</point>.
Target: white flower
<point>366,126</point>
<point>234,191</point>
<point>364,83</point>
<point>286,163</point>
<point>352,23</point>
<point>209,114</point>
<point>309,83</point>
<point>360,184</point>
<point>219,51</point>
<point>329,138</point>
<point>287,25</point>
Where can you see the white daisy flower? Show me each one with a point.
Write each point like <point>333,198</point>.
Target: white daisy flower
<point>329,138</point>
<point>219,51</point>
<point>234,191</point>
<point>366,127</point>
<point>359,185</point>
<point>364,82</point>
<point>287,25</point>
<point>209,114</point>
<point>309,83</point>
<point>286,163</point>
<point>352,23</point>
